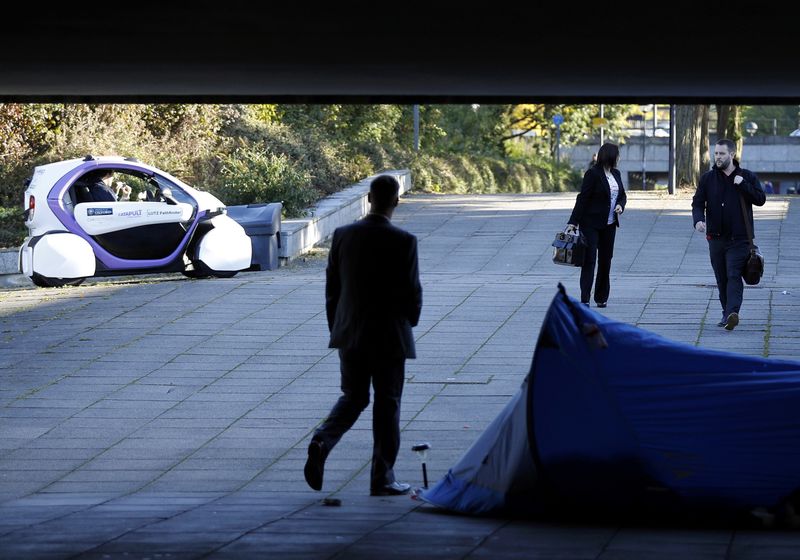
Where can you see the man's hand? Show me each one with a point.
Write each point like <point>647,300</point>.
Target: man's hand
<point>737,179</point>
<point>618,209</point>
<point>123,191</point>
<point>570,229</point>
<point>700,227</point>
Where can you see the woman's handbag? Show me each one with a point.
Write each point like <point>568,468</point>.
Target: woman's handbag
<point>569,248</point>
<point>754,267</point>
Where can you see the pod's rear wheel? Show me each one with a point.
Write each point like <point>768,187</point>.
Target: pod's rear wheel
<point>46,282</point>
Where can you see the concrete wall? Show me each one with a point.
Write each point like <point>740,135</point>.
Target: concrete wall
<point>341,208</point>
<point>774,158</point>
<point>9,261</point>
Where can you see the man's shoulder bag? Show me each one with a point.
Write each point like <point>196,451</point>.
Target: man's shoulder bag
<point>754,267</point>
<point>569,248</point>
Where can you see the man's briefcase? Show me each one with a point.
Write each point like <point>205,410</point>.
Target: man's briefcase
<point>569,248</point>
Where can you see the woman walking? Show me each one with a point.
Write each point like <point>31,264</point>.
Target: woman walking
<point>596,213</point>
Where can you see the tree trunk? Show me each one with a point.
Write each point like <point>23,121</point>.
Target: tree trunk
<point>734,129</point>
<point>723,112</point>
<point>729,125</point>
<point>705,157</point>
<point>687,154</point>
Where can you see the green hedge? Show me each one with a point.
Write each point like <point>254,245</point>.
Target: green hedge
<point>12,227</point>
<point>252,175</point>
<point>482,175</point>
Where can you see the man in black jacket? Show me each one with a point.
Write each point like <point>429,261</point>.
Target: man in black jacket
<point>373,298</point>
<point>96,187</point>
<point>717,212</point>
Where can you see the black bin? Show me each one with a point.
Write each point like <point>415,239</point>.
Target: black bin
<point>262,223</point>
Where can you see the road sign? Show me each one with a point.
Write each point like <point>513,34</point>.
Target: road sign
<point>558,119</point>
<point>599,121</point>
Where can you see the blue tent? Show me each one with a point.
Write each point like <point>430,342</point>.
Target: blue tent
<point>613,417</point>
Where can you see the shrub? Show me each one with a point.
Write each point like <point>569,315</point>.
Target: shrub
<point>251,174</point>
<point>329,164</point>
<point>12,184</point>
<point>12,227</point>
<point>481,174</point>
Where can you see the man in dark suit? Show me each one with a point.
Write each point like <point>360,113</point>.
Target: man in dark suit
<point>373,298</point>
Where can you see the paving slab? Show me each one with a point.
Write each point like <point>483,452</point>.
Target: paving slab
<point>163,417</point>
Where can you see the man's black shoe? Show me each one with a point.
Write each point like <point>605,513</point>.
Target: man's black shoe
<point>721,323</point>
<point>731,321</point>
<point>315,464</point>
<point>604,304</point>
<point>393,489</point>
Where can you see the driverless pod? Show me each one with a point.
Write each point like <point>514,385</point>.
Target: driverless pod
<point>158,224</point>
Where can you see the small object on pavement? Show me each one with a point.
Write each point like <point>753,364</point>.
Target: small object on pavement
<point>335,502</point>
<point>421,449</point>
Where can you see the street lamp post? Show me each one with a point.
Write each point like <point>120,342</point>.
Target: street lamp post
<point>601,126</point>
<point>672,145</point>
<point>558,120</point>
<point>641,123</point>
<point>416,128</point>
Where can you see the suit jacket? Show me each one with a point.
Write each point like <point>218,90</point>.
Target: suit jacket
<point>373,296</point>
<point>594,201</point>
<point>719,206</point>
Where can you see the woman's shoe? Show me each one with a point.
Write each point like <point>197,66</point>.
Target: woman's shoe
<point>604,304</point>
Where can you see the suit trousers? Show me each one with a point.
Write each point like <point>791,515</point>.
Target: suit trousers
<point>386,376</point>
<point>728,258</point>
<point>599,251</point>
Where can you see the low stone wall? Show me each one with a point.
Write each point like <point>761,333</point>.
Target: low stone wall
<point>298,235</point>
<point>9,261</point>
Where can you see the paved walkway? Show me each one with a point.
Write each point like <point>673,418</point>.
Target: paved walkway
<point>161,417</point>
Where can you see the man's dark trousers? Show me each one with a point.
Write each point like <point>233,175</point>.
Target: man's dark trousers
<point>599,251</point>
<point>387,376</point>
<point>728,258</point>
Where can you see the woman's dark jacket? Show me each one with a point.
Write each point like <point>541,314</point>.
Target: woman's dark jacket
<point>719,205</point>
<point>593,203</point>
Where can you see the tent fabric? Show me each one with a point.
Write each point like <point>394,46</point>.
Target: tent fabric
<point>482,482</point>
<point>611,416</point>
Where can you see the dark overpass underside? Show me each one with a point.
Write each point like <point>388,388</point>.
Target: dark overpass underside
<point>254,52</point>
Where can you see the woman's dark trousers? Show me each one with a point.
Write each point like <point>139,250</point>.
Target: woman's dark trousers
<point>599,251</point>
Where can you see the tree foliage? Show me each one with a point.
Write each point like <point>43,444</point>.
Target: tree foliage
<point>344,123</point>
<point>537,120</point>
<point>729,125</point>
<point>777,120</point>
